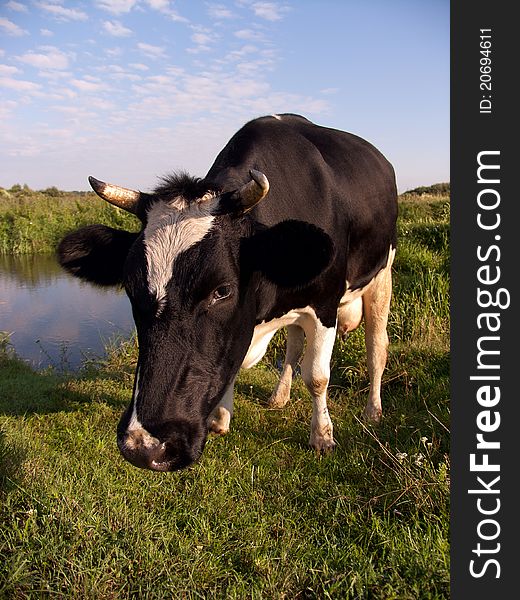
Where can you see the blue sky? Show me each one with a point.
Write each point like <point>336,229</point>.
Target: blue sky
<point>128,90</point>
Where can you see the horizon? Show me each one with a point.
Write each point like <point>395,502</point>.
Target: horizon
<point>129,90</point>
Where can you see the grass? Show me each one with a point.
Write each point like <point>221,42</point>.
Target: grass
<point>259,516</point>
<point>33,221</point>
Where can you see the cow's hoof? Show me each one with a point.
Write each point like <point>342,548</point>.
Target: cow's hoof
<point>219,421</point>
<point>322,446</point>
<point>279,398</point>
<point>372,415</point>
<point>216,429</point>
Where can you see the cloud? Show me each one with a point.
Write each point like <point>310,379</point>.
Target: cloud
<point>16,6</point>
<point>19,85</point>
<point>61,13</point>
<point>11,28</point>
<point>113,52</point>
<point>152,51</point>
<point>139,66</point>
<point>271,11</point>
<point>116,7</point>
<point>118,73</point>
<point>243,51</point>
<point>53,59</point>
<point>87,85</point>
<point>116,29</point>
<point>202,38</point>
<point>46,32</point>
<point>163,6</point>
<point>8,70</point>
<point>249,34</point>
<point>158,4</point>
<point>220,11</point>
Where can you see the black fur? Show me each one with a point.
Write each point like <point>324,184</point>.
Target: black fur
<point>96,253</point>
<point>290,254</point>
<point>181,184</point>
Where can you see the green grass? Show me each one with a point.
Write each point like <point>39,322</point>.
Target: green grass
<point>260,516</point>
<point>36,221</point>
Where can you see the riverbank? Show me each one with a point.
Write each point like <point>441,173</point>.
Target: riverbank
<point>259,515</point>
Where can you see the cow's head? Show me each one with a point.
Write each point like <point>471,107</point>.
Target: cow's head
<point>196,275</point>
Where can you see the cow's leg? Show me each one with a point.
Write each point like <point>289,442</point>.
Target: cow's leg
<point>376,305</point>
<point>220,417</point>
<point>316,374</point>
<point>258,347</point>
<point>282,392</point>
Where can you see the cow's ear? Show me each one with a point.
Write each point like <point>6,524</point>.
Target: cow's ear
<point>290,254</point>
<point>96,253</point>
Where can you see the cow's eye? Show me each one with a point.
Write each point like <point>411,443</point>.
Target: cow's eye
<point>223,291</point>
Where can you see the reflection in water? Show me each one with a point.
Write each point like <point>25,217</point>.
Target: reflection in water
<point>53,318</point>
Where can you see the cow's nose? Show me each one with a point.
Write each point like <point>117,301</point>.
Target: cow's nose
<point>146,453</point>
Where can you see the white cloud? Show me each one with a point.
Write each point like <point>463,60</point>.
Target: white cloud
<point>7,108</point>
<point>271,11</point>
<point>113,52</point>
<point>101,104</point>
<point>55,75</point>
<point>61,13</point>
<point>329,91</point>
<point>139,66</point>
<point>46,32</point>
<point>163,6</point>
<point>152,51</point>
<point>53,59</point>
<point>19,85</point>
<point>158,4</point>
<point>117,7</point>
<point>84,85</point>
<point>243,51</point>
<point>116,72</point>
<point>16,6</point>
<point>249,34</point>
<point>116,29</point>
<point>201,38</point>
<point>175,16</point>
<point>220,11</point>
<point>8,70</point>
<point>11,28</point>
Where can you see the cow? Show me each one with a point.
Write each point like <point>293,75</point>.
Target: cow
<point>293,226</point>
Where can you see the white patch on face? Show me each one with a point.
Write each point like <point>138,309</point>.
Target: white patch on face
<point>172,228</point>
<point>137,436</point>
<point>134,421</point>
<point>278,117</point>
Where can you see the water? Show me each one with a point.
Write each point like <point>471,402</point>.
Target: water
<point>54,319</point>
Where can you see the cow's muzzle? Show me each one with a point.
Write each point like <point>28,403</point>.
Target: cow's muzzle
<point>176,450</point>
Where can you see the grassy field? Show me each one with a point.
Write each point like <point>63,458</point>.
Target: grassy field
<point>34,221</point>
<point>260,516</point>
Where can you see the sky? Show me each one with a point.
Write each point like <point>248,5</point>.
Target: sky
<point>129,90</point>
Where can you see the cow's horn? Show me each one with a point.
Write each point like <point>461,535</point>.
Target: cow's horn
<point>251,193</point>
<point>126,199</point>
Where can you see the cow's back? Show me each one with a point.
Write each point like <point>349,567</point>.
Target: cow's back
<point>330,178</point>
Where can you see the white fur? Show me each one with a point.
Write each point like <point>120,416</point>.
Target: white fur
<point>171,229</point>
<point>137,436</point>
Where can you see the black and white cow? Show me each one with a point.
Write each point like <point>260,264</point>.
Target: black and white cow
<point>293,226</point>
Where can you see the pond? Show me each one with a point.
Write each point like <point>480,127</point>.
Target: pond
<point>53,319</point>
